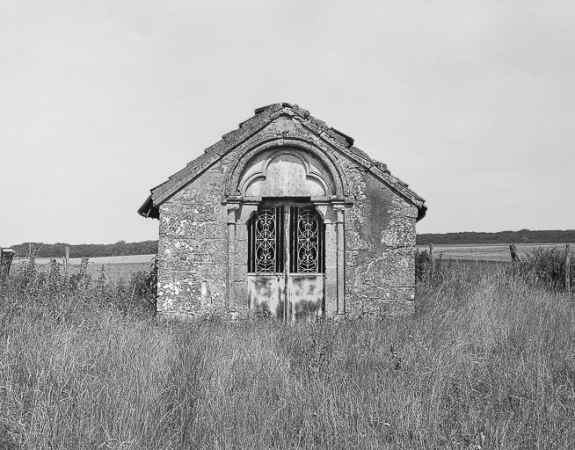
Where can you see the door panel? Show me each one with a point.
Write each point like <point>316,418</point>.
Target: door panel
<point>306,294</point>
<point>266,295</point>
<point>286,261</point>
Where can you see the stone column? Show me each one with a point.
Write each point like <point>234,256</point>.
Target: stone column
<point>330,268</point>
<point>340,243</point>
<point>231,252</point>
<point>240,289</point>
<point>326,211</point>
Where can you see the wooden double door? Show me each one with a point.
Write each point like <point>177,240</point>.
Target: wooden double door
<point>286,261</point>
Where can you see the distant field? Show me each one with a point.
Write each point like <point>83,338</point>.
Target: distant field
<point>115,267</point>
<point>98,260</point>
<point>473,257</point>
<point>484,252</point>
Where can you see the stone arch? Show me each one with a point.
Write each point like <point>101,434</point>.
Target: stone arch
<point>285,173</point>
<point>336,178</point>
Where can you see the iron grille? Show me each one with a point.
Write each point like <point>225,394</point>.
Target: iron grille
<point>265,241</point>
<point>266,246</point>
<point>306,241</point>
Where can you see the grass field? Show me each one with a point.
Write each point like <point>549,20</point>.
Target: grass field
<point>115,268</point>
<point>473,257</point>
<point>488,362</point>
<point>486,252</point>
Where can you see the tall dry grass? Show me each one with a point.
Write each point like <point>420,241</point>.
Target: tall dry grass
<point>488,362</point>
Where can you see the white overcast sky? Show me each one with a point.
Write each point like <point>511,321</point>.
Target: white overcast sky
<point>470,102</point>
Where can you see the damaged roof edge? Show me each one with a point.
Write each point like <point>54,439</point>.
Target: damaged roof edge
<point>261,109</point>
<point>350,141</point>
<point>421,212</point>
<point>149,210</point>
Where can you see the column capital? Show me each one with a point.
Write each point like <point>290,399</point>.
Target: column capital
<point>339,208</point>
<point>232,208</point>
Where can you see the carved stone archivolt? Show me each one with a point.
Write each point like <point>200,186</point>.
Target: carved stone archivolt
<point>285,173</point>
<point>292,169</point>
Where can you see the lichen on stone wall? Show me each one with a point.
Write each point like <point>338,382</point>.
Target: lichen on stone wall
<point>192,250</point>
<point>193,247</point>
<point>380,242</point>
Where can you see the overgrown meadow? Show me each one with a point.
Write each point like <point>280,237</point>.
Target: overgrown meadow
<point>487,362</point>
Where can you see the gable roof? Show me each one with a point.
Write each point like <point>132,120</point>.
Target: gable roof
<point>263,117</point>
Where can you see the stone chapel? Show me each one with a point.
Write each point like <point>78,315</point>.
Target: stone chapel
<point>285,218</point>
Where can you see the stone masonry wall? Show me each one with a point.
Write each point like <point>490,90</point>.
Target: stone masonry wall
<point>193,248</point>
<point>380,246</point>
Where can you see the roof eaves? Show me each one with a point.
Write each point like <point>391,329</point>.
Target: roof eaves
<point>148,209</point>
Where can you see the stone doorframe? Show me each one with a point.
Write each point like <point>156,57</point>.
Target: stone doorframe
<point>332,214</point>
<point>331,207</point>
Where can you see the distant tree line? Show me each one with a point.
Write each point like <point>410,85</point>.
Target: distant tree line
<point>123,248</point>
<point>57,250</point>
<point>501,237</point>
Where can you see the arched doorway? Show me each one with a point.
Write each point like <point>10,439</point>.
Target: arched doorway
<point>286,259</point>
<point>286,234</point>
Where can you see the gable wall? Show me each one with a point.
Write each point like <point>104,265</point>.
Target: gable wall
<point>193,247</point>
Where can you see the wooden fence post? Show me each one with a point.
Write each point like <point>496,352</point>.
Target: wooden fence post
<point>567,268</point>
<point>430,259</point>
<point>84,266</point>
<point>513,251</point>
<point>6,257</point>
<point>66,260</point>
